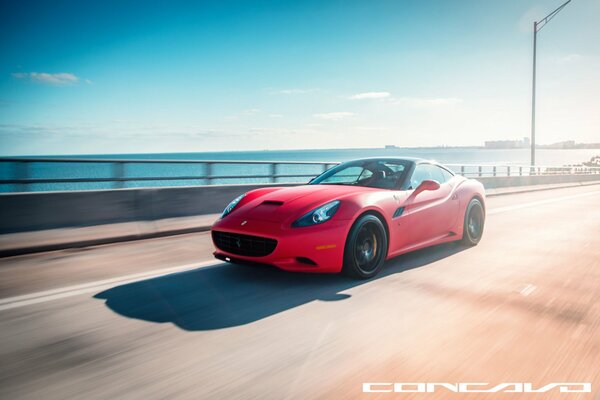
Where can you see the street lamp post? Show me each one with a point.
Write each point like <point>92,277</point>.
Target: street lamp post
<point>537,26</point>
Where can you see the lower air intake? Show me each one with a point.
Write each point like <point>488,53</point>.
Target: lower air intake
<point>243,245</point>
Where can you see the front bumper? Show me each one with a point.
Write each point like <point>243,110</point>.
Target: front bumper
<point>318,248</point>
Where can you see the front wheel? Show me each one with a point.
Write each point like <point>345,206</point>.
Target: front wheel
<point>366,248</point>
<point>474,221</point>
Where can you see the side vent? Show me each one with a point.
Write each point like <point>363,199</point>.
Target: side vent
<point>398,212</point>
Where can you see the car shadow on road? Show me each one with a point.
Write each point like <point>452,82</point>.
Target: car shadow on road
<point>231,295</point>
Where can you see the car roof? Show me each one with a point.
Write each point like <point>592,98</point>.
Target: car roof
<point>414,160</point>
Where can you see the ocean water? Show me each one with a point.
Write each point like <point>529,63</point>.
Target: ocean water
<point>40,170</point>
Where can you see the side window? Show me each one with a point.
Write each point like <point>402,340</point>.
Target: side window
<point>447,175</point>
<point>429,172</point>
<point>420,174</point>
<point>437,174</point>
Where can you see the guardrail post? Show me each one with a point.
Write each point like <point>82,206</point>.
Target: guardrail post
<point>479,171</point>
<point>462,170</point>
<point>273,172</point>
<point>22,174</point>
<point>208,173</point>
<point>494,171</point>
<point>508,170</point>
<point>520,171</point>
<point>119,175</point>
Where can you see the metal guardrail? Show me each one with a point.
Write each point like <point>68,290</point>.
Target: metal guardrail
<point>21,171</point>
<point>22,175</point>
<point>480,170</point>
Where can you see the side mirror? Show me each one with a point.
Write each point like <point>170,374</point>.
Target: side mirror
<point>427,185</point>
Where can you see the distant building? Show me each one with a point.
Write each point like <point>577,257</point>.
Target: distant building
<point>567,144</point>
<point>525,143</point>
<point>507,144</point>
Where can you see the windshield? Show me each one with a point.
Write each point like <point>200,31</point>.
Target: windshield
<point>382,174</point>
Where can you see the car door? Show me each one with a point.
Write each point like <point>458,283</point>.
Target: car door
<point>426,215</point>
<point>452,204</point>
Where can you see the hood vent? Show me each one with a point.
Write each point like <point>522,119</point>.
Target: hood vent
<point>273,202</point>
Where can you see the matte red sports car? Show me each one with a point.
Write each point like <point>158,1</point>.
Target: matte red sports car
<point>352,217</point>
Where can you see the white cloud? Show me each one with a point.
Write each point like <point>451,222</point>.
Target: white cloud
<point>59,79</point>
<point>370,95</point>
<point>427,102</point>
<point>334,116</point>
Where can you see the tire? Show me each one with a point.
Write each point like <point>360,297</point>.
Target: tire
<point>474,223</point>
<point>366,248</point>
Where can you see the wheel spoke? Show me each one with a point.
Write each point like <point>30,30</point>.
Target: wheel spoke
<point>475,222</point>
<point>366,248</point>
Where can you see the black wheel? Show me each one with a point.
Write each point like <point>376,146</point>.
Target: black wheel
<point>474,221</point>
<point>366,248</point>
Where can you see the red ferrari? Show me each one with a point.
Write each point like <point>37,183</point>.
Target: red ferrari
<point>352,217</point>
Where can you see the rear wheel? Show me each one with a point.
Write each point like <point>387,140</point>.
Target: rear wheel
<point>474,222</point>
<point>366,248</point>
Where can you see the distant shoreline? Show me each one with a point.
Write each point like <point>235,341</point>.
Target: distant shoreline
<point>398,148</point>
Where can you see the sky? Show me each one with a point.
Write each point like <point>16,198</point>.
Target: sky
<point>95,77</point>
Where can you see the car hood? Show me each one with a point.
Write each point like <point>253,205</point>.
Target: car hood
<point>285,203</point>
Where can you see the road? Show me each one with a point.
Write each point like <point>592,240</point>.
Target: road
<point>158,319</point>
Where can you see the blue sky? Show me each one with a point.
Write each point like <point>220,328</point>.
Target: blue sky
<point>120,77</point>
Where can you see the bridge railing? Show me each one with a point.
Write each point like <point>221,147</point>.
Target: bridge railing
<point>482,170</point>
<point>45,174</point>
<point>42,174</point>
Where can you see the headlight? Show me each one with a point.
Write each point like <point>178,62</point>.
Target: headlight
<point>318,215</point>
<point>232,205</point>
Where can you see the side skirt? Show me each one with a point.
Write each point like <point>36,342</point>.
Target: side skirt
<point>449,237</point>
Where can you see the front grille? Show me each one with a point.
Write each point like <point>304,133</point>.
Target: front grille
<point>244,245</point>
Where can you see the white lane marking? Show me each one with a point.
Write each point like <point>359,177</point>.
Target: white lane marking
<point>540,202</point>
<point>69,291</point>
<point>527,290</point>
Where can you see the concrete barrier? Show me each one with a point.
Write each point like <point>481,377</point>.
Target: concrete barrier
<point>513,181</point>
<point>21,212</point>
<point>26,212</point>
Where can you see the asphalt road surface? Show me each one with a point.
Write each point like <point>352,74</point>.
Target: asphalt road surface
<point>159,319</point>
